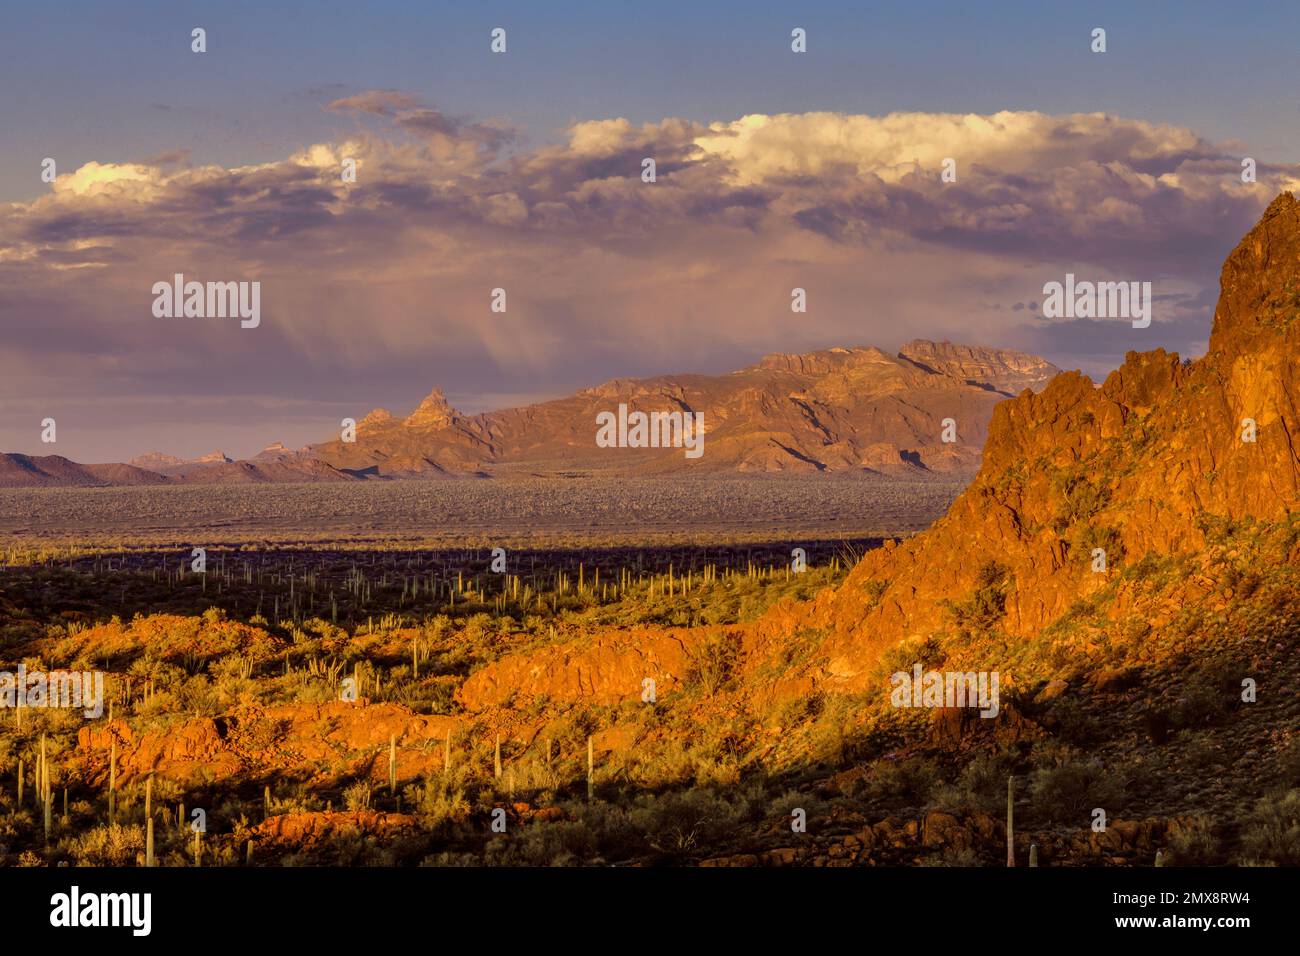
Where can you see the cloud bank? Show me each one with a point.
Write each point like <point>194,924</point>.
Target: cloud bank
<point>376,290</point>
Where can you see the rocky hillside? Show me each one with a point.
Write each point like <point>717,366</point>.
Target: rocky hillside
<point>1157,462</point>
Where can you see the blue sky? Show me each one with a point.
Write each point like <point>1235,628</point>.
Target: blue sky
<point>116,82</point>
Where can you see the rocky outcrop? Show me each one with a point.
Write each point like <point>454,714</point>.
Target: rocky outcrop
<point>306,831</point>
<point>1130,467</point>
<point>607,670</point>
<point>331,741</point>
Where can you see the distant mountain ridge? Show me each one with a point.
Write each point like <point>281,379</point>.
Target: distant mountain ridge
<point>854,410</point>
<point>172,466</point>
<point>834,410</point>
<point>42,471</point>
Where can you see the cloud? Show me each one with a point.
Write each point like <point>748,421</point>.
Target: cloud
<point>376,290</point>
<point>102,179</point>
<point>378,102</point>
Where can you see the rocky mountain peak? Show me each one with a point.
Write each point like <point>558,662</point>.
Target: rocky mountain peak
<point>1007,370</point>
<point>433,412</point>
<point>1260,282</point>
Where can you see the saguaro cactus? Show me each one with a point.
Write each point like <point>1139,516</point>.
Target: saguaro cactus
<point>148,842</point>
<point>591,769</point>
<point>1011,810</point>
<point>112,780</point>
<point>392,764</point>
<point>1033,854</point>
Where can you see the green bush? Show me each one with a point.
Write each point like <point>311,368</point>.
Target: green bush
<point>1271,834</point>
<point>1069,792</point>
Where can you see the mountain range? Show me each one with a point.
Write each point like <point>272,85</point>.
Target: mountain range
<point>856,410</point>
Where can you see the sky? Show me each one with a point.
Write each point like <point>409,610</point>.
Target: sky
<point>522,170</point>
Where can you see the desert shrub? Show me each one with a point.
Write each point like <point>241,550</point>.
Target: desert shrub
<point>797,711</point>
<point>357,796</point>
<point>907,783</point>
<point>1271,833</point>
<point>1288,763</point>
<point>981,785</point>
<point>953,856</point>
<point>1092,536</point>
<point>112,845</point>
<point>590,834</point>
<point>874,591</point>
<point>1081,499</point>
<point>561,843</point>
<point>438,801</point>
<point>671,763</point>
<point>839,733</point>
<point>1068,792</point>
<point>987,603</point>
<point>927,652</point>
<point>478,628</point>
<point>1195,844</point>
<point>712,663</point>
<point>783,806</point>
<point>1200,753</point>
<point>680,823</point>
<point>1202,703</point>
<point>1074,724</point>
